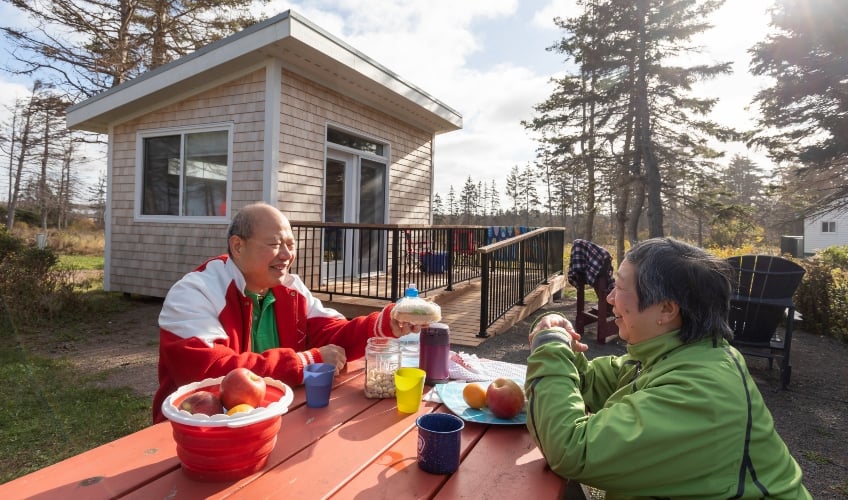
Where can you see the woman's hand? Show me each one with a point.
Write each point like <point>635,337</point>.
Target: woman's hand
<point>558,321</point>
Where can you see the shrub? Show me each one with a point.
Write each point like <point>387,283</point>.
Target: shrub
<point>822,297</point>
<point>30,284</point>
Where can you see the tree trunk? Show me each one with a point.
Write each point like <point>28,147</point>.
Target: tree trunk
<point>42,181</point>
<point>12,138</point>
<point>23,151</point>
<point>643,116</point>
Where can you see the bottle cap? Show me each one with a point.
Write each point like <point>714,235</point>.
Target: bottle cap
<point>411,291</point>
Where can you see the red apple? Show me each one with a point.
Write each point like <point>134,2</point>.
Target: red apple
<point>505,398</point>
<point>242,386</point>
<point>202,402</point>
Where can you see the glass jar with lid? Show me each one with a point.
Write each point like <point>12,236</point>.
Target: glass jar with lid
<point>382,359</point>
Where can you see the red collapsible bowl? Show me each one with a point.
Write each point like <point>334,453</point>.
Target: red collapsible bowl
<point>223,447</point>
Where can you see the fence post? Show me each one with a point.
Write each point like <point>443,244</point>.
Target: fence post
<point>522,265</point>
<point>449,259</point>
<point>484,295</point>
<point>395,264</point>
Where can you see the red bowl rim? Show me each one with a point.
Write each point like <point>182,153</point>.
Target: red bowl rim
<point>241,419</point>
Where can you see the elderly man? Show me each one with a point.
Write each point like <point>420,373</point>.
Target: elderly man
<point>244,309</point>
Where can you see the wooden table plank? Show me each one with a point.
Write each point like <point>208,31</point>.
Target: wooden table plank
<point>328,464</point>
<point>505,464</point>
<point>107,471</point>
<point>395,475</point>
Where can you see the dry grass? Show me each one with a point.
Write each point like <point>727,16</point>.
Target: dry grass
<point>81,238</point>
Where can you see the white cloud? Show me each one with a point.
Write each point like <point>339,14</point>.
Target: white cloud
<point>556,8</point>
<point>9,91</point>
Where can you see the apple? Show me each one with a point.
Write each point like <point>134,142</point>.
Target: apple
<point>242,386</point>
<point>202,402</point>
<point>505,398</point>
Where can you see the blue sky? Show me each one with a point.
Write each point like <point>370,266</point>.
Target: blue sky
<point>487,60</point>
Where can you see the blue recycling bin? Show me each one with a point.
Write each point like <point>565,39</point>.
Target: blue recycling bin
<point>434,262</point>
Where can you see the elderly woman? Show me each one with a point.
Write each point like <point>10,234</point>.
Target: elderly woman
<point>678,415</point>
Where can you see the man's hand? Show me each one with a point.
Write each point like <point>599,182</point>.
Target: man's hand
<point>549,321</point>
<point>401,328</point>
<point>333,355</point>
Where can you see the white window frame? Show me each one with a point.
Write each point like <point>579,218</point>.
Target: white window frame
<point>358,154</point>
<point>828,226</point>
<point>141,135</point>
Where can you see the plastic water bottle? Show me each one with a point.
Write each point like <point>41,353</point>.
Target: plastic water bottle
<point>410,345</point>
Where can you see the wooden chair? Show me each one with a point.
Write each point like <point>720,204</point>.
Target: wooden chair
<point>591,265</point>
<point>762,299</point>
<point>417,246</point>
<point>464,246</point>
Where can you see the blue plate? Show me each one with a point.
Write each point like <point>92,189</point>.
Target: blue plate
<point>451,395</point>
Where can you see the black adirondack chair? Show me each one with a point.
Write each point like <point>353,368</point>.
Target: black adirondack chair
<point>761,300</point>
<point>591,265</point>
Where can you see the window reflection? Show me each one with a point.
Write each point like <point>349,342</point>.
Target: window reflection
<point>185,174</point>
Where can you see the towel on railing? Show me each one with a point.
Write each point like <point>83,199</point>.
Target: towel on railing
<point>589,260</point>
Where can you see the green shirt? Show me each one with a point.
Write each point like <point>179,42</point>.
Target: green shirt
<point>263,324</point>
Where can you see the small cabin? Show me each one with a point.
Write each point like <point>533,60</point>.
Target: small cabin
<point>282,112</point>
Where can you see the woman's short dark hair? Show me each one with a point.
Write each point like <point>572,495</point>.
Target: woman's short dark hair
<point>699,282</point>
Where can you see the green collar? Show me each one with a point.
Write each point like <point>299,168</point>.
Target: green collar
<point>650,350</point>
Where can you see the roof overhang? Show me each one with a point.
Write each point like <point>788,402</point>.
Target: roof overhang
<point>300,45</point>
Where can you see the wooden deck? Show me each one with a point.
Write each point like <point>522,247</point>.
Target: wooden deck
<point>460,309</point>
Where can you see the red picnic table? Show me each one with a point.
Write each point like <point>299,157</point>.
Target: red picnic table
<point>354,448</point>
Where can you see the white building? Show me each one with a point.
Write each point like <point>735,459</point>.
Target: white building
<point>827,230</point>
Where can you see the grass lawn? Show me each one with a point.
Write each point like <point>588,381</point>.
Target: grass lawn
<point>51,412</point>
<point>81,262</point>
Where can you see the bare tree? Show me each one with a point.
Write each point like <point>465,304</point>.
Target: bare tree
<point>8,138</point>
<point>86,46</point>
<point>25,143</point>
<point>50,116</point>
<point>97,198</point>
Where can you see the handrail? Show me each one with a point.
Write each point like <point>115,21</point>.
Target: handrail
<point>515,267</point>
<point>526,236</point>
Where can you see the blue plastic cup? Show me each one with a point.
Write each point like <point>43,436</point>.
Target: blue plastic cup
<point>318,380</point>
<point>439,442</point>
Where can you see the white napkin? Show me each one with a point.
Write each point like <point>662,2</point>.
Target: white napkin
<point>470,368</point>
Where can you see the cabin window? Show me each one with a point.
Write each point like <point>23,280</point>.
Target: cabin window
<point>185,173</point>
<point>829,227</point>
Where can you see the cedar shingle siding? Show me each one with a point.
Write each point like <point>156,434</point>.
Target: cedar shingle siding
<point>148,257</point>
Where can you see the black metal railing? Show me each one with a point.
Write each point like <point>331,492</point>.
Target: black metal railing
<point>513,268</point>
<point>379,261</point>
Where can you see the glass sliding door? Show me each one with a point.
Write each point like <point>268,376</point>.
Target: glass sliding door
<point>355,192</point>
<point>333,260</point>
<point>372,210</point>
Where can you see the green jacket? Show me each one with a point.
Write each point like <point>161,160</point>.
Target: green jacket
<point>665,420</point>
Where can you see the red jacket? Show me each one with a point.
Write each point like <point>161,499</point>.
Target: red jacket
<point>205,324</point>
